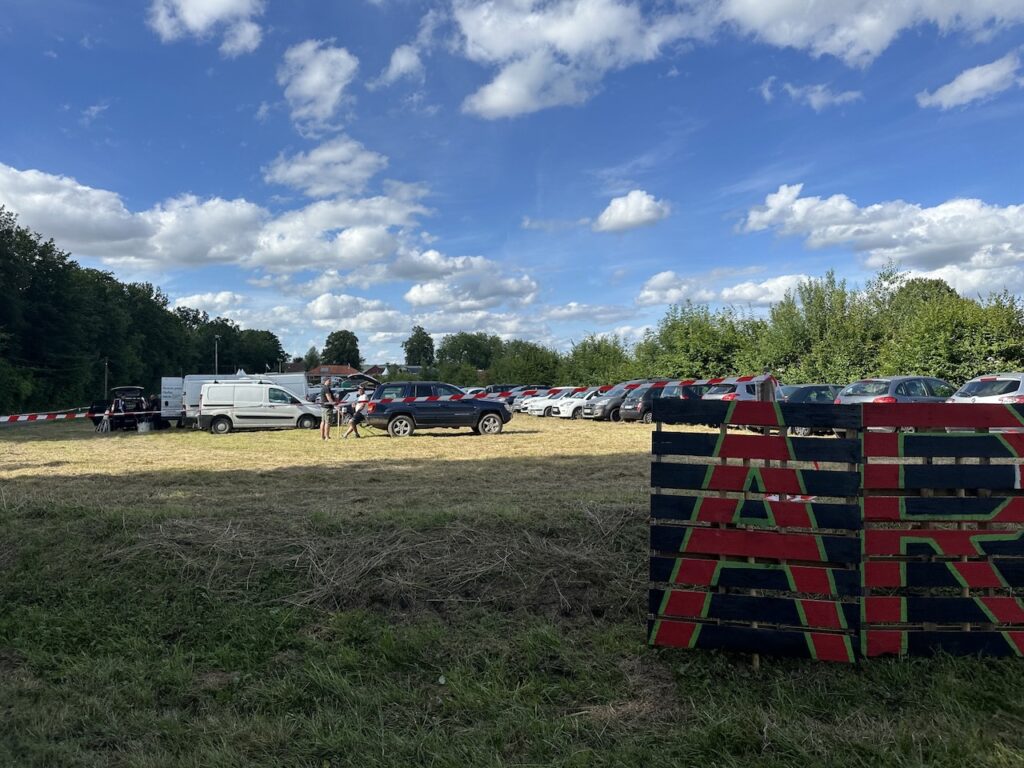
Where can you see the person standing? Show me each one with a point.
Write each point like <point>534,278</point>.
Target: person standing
<point>358,415</point>
<point>327,405</point>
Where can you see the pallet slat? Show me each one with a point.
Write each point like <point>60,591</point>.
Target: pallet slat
<point>946,444</point>
<point>767,544</point>
<point>946,509</point>
<point>780,577</point>
<point>786,514</point>
<point>783,611</point>
<point>804,482</point>
<point>943,610</point>
<point>923,542</point>
<point>1004,477</point>
<point>774,448</point>
<point>756,414</point>
<point>775,642</point>
<point>942,415</point>
<point>890,642</point>
<point>996,573</point>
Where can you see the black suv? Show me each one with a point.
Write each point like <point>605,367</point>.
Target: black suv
<point>399,408</point>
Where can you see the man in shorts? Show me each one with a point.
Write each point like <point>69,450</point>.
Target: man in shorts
<point>327,403</point>
<point>359,413</point>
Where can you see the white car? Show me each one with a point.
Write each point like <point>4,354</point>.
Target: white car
<point>544,406</point>
<point>571,407</point>
<point>472,390</point>
<point>996,388</point>
<point>522,403</point>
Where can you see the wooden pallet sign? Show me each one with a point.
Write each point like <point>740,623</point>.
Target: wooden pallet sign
<point>902,536</point>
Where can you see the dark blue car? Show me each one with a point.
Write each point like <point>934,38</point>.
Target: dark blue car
<point>402,407</point>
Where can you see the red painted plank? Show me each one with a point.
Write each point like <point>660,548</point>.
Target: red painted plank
<point>674,634</point>
<point>940,415</point>
<point>884,509</point>
<point>811,580</point>
<point>954,543</point>
<point>831,647</point>
<point>685,603</point>
<point>881,444</point>
<point>1007,610</point>
<point>822,613</point>
<point>755,447</point>
<point>883,610</point>
<point>883,642</point>
<point>768,544</point>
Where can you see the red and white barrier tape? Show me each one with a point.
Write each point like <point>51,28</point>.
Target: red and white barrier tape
<point>67,416</point>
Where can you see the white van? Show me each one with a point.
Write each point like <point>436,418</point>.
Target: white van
<point>252,405</point>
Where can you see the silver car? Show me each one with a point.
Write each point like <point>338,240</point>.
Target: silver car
<point>896,389</point>
<point>994,388</point>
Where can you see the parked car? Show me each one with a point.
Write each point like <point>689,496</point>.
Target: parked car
<point>607,406</point>
<point>496,388</point>
<point>637,405</point>
<point>386,409</point>
<point>994,388</point>
<point>520,401</point>
<point>571,407</point>
<point>896,389</point>
<point>544,406</point>
<point>821,394</point>
<point>123,406</point>
<point>473,390</point>
<point>741,391</point>
<point>224,407</point>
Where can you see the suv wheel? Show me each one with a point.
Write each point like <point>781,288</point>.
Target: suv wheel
<point>306,422</point>
<point>647,417</point>
<point>220,426</point>
<point>401,426</point>
<point>489,424</point>
<point>615,415</point>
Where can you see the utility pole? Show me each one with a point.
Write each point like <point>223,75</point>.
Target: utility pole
<point>106,372</point>
<point>216,355</point>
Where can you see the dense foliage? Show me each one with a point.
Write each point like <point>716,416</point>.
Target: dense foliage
<point>63,328</point>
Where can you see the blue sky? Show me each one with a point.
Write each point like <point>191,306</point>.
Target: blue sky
<point>537,169</point>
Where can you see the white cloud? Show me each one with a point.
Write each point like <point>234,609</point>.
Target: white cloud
<point>596,313</point>
<point>636,209</point>
<point>89,114</point>
<point>473,291</point>
<point>405,64</point>
<point>820,96</point>
<point>763,293</point>
<point>857,31</point>
<point>552,225</point>
<point>971,241</point>
<point>314,76</point>
<point>976,83</point>
<point>339,165</point>
<point>212,303</point>
<point>669,288</point>
<point>554,53</point>
<point>356,313</point>
<point>175,19</point>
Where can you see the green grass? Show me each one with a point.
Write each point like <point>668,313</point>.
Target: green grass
<point>270,600</point>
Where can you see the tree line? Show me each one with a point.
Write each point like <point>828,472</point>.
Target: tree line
<point>65,329</point>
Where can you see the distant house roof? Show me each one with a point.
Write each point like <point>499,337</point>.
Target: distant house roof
<point>297,367</point>
<point>333,370</point>
<point>374,370</point>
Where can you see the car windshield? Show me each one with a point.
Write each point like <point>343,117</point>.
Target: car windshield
<point>870,387</point>
<point>786,391</point>
<point>617,391</point>
<point>989,388</point>
<point>722,389</point>
<point>812,395</point>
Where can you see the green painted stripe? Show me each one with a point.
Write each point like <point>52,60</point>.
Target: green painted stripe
<point>695,636</point>
<point>1013,646</point>
<point>779,421</point>
<point>810,646</point>
<point>664,601</point>
<point>653,639</point>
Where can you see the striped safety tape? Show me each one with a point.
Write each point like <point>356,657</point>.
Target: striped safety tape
<point>66,416</point>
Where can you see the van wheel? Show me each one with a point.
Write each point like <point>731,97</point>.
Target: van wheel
<point>221,425</point>
<point>648,418</point>
<point>489,424</point>
<point>306,422</point>
<point>615,415</point>
<point>401,426</point>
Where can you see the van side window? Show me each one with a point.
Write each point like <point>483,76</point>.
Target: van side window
<point>279,396</point>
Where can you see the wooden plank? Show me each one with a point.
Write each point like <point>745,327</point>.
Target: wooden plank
<point>943,610</point>
<point>924,542</point>
<point>801,482</point>
<point>996,573</point>
<point>774,448</point>
<point>920,476</point>
<point>780,577</point>
<point>947,509</point>
<point>952,444</point>
<point>756,414</point>
<point>782,611</point>
<point>824,646</point>
<point>744,543</point>
<point>890,642</point>
<point>942,415</point>
<point>759,512</point>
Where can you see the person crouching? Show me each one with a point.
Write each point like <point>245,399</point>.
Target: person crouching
<point>359,412</point>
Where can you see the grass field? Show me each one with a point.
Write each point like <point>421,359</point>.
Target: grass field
<point>268,599</point>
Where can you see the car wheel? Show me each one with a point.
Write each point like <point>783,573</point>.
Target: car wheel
<point>547,412</point>
<point>615,415</point>
<point>489,424</point>
<point>306,422</point>
<point>648,418</point>
<point>575,414</point>
<point>401,426</point>
<point>221,425</point>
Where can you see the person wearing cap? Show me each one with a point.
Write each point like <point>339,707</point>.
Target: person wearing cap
<point>327,403</point>
<point>358,415</point>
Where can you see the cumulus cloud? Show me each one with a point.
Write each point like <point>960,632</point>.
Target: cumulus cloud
<point>967,234</point>
<point>818,97</point>
<point>597,313</point>
<point>339,165</point>
<point>857,31</point>
<point>356,313</point>
<point>314,75</point>
<point>473,291</point>
<point>405,64</point>
<point>175,19</point>
<point>670,288</point>
<point>212,303</point>
<point>636,209</point>
<point>762,293</point>
<point>975,84</point>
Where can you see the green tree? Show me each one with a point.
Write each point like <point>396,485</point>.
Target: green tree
<point>342,348</point>
<point>259,351</point>
<point>476,349</point>
<point>312,359</point>
<point>524,362</point>
<point>597,360</point>
<point>419,347</point>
